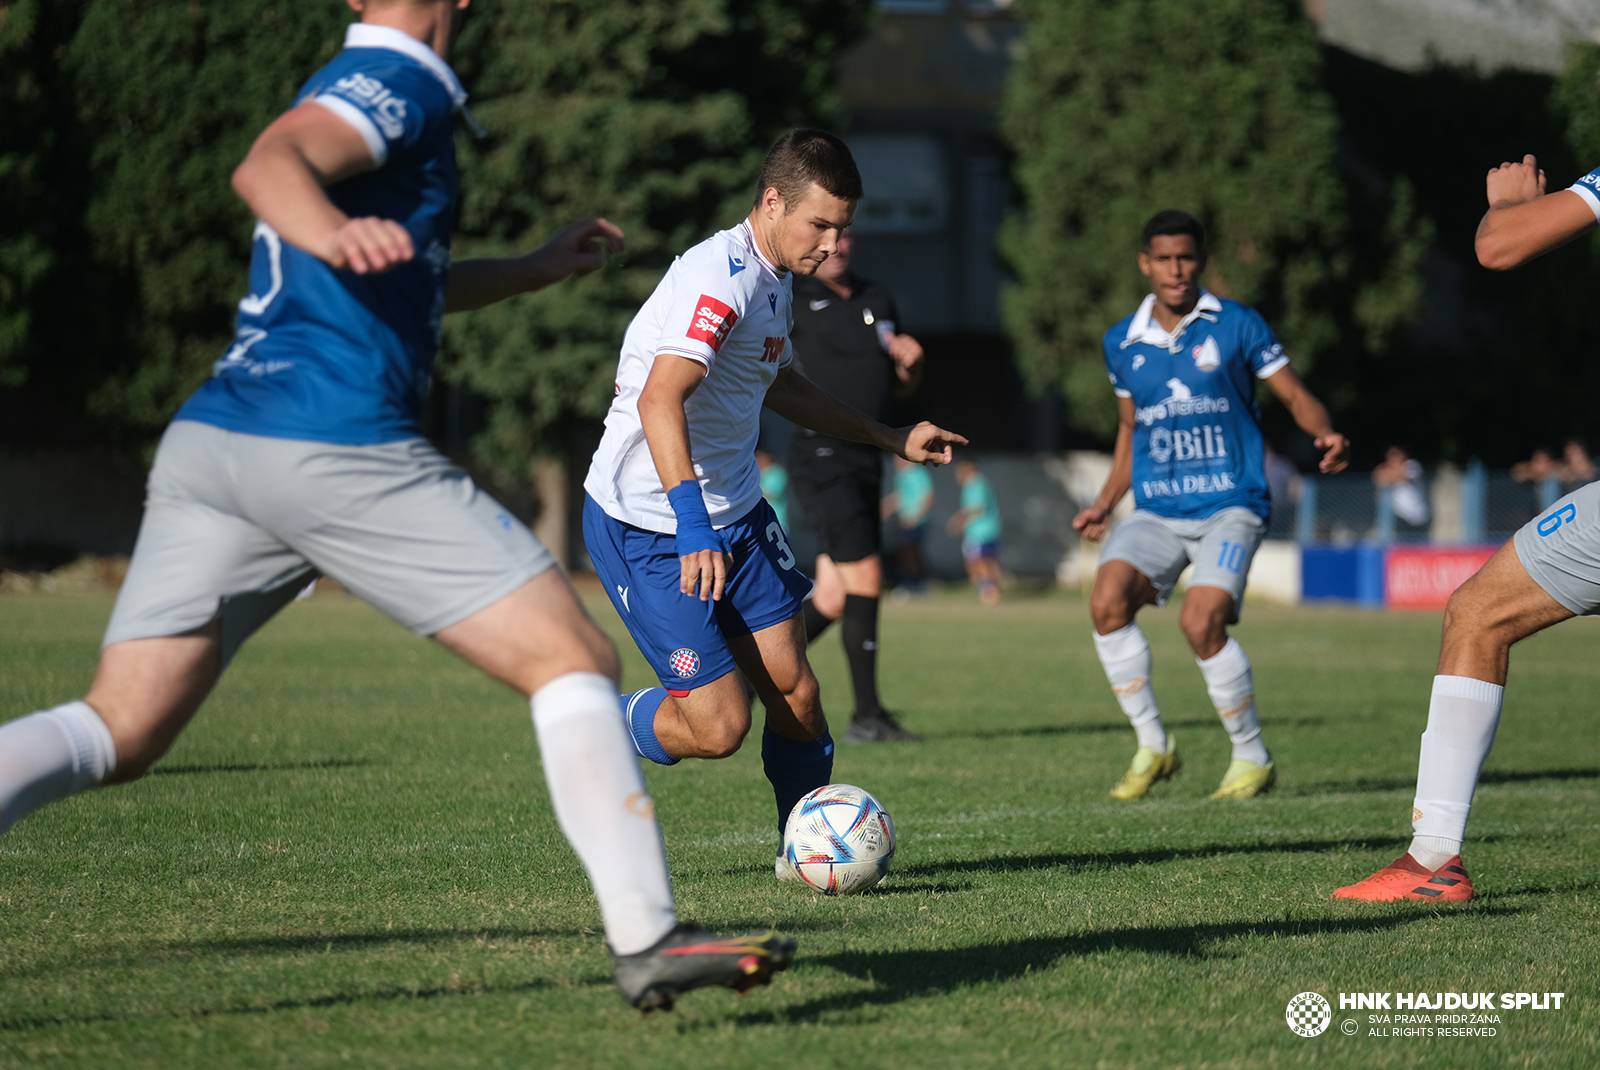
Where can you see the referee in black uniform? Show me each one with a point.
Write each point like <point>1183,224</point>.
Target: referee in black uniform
<point>847,340</point>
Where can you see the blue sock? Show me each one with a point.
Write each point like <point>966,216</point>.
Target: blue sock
<point>639,717</point>
<point>795,767</point>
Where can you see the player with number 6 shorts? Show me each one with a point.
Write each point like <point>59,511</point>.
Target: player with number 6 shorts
<point>1549,572</point>
<point>1184,368</point>
<point>693,558</point>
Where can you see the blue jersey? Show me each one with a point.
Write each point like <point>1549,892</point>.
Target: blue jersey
<point>1197,445</point>
<point>329,355</point>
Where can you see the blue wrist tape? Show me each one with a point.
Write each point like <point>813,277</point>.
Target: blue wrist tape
<point>695,532</point>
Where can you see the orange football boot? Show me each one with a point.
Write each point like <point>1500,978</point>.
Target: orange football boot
<point>1405,878</point>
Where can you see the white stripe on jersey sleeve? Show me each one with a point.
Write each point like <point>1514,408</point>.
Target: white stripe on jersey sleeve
<point>360,121</point>
<point>1587,193</point>
<point>688,354</point>
<point>1268,370</point>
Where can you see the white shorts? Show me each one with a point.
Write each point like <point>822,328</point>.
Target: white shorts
<point>1220,547</point>
<point>236,525</point>
<point>1560,549</point>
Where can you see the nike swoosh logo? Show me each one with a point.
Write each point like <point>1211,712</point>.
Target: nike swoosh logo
<point>818,306</point>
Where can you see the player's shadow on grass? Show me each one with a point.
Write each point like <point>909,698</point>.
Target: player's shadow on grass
<point>1492,776</point>
<point>259,767</point>
<point>1097,859</point>
<point>896,976</point>
<point>1095,728</point>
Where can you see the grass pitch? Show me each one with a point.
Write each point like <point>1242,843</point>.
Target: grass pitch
<point>349,859</point>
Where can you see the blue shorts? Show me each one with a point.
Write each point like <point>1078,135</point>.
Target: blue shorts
<point>979,551</point>
<point>683,638</point>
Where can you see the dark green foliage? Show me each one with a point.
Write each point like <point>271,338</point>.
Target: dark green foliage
<point>1115,111</point>
<point>653,113</point>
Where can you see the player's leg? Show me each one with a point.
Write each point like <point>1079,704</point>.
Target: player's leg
<point>1548,573</point>
<point>827,600</point>
<point>863,585</point>
<point>1222,550</point>
<point>987,566</point>
<point>200,582</point>
<point>1138,567</point>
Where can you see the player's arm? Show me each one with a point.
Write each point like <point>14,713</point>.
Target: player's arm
<point>800,401</point>
<point>1091,521</point>
<point>575,249</point>
<point>282,177</point>
<point>703,567</point>
<point>1524,222</point>
<point>1312,417</point>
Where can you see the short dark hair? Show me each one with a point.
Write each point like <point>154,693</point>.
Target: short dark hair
<point>803,156</point>
<point>1173,221</point>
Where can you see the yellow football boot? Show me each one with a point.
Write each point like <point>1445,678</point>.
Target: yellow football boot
<point>1147,767</point>
<point>1245,780</point>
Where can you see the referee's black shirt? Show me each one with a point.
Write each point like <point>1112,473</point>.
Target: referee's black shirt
<point>836,345</point>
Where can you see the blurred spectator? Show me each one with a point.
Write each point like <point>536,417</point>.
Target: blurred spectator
<point>774,485</point>
<point>1401,477</point>
<point>909,503</point>
<point>1539,466</point>
<point>978,523</point>
<point>1576,466</point>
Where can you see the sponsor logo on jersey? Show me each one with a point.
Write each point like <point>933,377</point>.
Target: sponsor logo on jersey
<point>1592,178</point>
<point>684,662</point>
<point>712,321</point>
<point>1203,483</point>
<point>772,350</point>
<point>1187,443</point>
<point>1207,357</point>
<point>377,100</point>
<point>735,265</point>
<point>1181,402</point>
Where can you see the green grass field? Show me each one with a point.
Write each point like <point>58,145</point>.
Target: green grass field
<point>349,859</point>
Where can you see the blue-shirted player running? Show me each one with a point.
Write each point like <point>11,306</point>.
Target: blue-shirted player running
<point>302,455</point>
<point>1184,369</point>
<point>695,561</point>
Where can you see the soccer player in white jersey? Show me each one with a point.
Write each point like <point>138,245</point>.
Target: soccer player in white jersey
<point>1184,367</point>
<point>1548,573</point>
<point>302,455</point>
<point>695,561</point>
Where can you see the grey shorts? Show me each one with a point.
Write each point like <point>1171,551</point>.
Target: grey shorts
<point>1220,547</point>
<point>1560,548</point>
<point>236,525</point>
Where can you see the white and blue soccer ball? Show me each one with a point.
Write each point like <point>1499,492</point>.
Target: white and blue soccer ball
<point>839,839</point>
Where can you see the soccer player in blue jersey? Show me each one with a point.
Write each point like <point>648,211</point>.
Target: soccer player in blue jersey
<point>696,563</point>
<point>1184,368</point>
<point>302,455</point>
<point>1549,572</point>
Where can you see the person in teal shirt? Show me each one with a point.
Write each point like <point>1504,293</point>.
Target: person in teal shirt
<point>910,503</point>
<point>978,524</point>
<point>774,485</point>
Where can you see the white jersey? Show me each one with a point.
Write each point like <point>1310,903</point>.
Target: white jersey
<point>724,305</point>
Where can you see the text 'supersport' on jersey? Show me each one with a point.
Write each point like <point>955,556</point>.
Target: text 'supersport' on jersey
<point>1197,445</point>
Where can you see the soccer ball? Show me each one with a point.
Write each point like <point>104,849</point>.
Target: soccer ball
<point>839,839</point>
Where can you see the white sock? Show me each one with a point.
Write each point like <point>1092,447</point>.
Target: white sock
<point>1233,693</point>
<point>49,755</point>
<point>602,805</point>
<point>1125,655</point>
<point>1462,717</point>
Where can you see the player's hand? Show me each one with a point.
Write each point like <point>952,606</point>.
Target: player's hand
<point>1515,183</point>
<point>1335,452</point>
<point>1092,522</point>
<point>581,247</point>
<point>906,352</point>
<point>705,573</point>
<point>927,443</point>
<point>369,245</point>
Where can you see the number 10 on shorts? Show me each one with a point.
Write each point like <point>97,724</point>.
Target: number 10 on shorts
<point>1231,556</point>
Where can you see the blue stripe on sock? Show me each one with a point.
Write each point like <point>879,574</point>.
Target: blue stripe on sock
<point>639,717</point>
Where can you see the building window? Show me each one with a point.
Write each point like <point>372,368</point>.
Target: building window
<point>907,188</point>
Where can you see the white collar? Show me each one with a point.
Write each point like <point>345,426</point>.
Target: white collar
<point>367,35</point>
<point>750,240</point>
<point>1145,329</point>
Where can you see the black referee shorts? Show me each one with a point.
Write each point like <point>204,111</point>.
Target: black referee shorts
<point>842,501</point>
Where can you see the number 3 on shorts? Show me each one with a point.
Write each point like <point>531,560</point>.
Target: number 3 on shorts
<point>785,555</point>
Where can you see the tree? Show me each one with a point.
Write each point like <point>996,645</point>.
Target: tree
<point>655,113</point>
<point>1115,111</point>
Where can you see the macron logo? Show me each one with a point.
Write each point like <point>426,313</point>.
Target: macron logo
<point>622,593</point>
